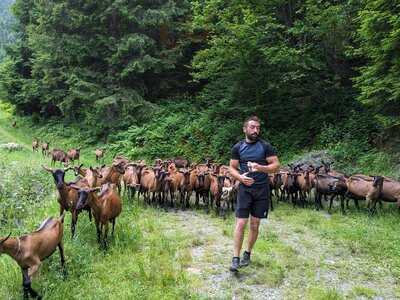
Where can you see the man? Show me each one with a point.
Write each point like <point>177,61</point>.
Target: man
<point>252,159</point>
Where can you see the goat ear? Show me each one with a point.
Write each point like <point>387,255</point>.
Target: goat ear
<point>5,239</point>
<point>47,169</point>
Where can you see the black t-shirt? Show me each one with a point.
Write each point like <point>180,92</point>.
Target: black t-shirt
<point>253,152</point>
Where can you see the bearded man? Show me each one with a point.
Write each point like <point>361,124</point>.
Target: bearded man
<point>251,161</point>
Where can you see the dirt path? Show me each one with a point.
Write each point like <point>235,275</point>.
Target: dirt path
<point>296,264</point>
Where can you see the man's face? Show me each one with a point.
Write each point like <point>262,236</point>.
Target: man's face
<point>252,130</point>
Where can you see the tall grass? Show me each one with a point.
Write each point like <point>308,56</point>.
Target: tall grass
<point>142,263</point>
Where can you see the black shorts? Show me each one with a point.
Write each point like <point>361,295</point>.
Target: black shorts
<point>252,200</point>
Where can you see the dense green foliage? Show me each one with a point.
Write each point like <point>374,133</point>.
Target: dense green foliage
<point>165,78</point>
<point>6,22</point>
<point>96,60</point>
<point>379,35</point>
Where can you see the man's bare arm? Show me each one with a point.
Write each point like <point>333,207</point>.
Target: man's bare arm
<point>272,167</point>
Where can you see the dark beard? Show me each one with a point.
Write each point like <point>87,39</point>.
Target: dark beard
<point>252,138</point>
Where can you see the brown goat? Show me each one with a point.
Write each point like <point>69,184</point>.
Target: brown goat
<point>45,149</point>
<point>365,187</point>
<point>112,174</point>
<point>216,185</point>
<point>74,154</point>
<point>200,183</point>
<point>106,208</point>
<point>390,192</point>
<point>304,183</point>
<point>176,180</point>
<point>151,182</point>
<point>99,154</point>
<point>131,179</point>
<point>181,162</point>
<point>324,186</point>
<point>67,196</point>
<point>35,145</point>
<point>90,175</point>
<point>58,155</point>
<point>185,187</point>
<point>30,250</point>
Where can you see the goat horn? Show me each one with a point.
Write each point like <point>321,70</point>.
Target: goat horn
<point>47,169</point>
<point>67,169</point>
<point>5,239</point>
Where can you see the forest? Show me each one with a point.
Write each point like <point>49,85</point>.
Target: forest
<point>320,74</point>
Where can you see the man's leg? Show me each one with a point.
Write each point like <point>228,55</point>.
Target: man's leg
<point>238,241</point>
<point>259,210</point>
<point>253,232</point>
<point>242,216</point>
<point>238,235</point>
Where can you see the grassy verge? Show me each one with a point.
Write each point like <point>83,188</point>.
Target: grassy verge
<point>142,262</point>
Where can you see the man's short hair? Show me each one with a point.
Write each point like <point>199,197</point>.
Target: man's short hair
<point>251,118</point>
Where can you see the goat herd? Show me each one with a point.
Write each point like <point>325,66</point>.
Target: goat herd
<point>171,183</point>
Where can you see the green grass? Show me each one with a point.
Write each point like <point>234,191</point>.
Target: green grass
<point>142,262</point>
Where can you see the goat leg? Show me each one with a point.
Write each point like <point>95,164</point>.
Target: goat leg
<point>331,202</point>
<point>98,231</point>
<point>26,283</point>
<point>271,203</point>
<point>342,204</point>
<point>73,222</point>
<point>105,235</point>
<point>62,257</point>
<point>113,225</point>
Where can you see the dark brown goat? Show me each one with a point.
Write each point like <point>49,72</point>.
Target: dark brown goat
<point>58,155</point>
<point>325,185</point>
<point>30,250</point>
<point>181,162</point>
<point>67,196</point>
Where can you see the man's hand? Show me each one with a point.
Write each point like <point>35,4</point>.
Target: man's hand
<point>254,167</point>
<point>246,180</point>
